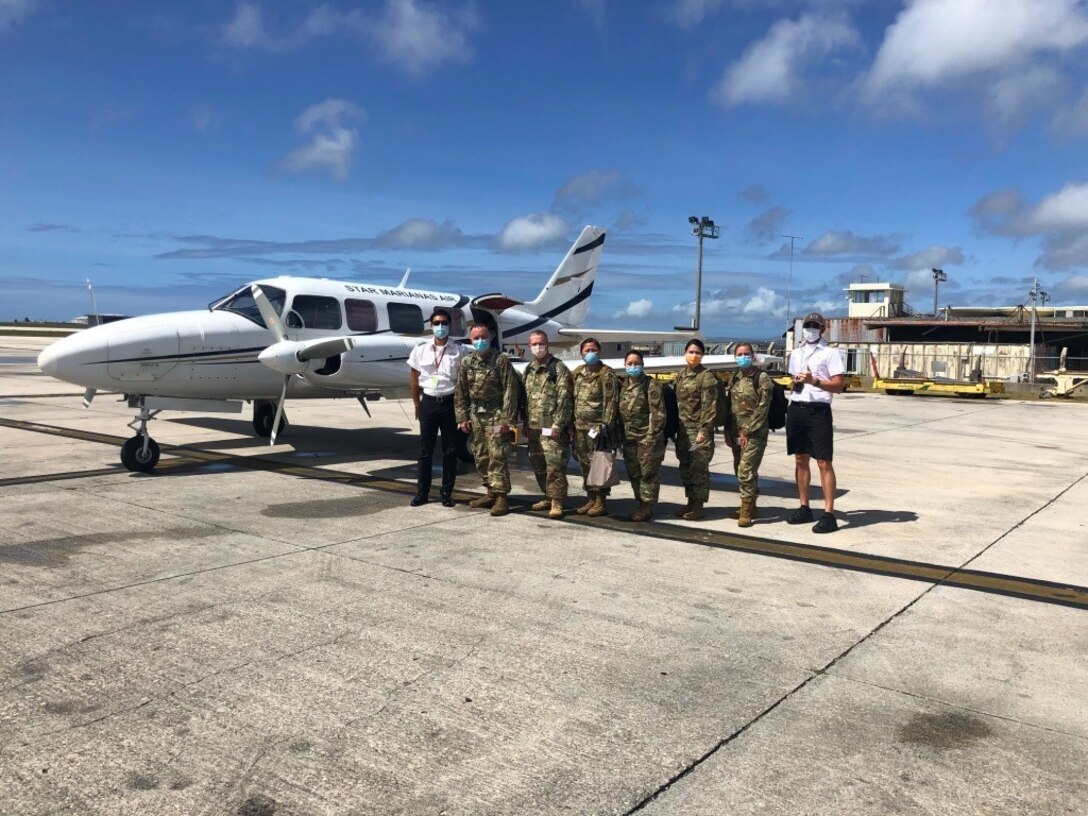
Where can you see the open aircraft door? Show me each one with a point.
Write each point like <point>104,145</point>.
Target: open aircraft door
<point>487,308</point>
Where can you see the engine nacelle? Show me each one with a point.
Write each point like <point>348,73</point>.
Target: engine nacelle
<point>379,360</point>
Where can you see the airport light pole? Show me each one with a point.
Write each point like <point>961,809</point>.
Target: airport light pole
<point>1036,294</point>
<point>938,277</point>
<point>789,283</point>
<point>701,228</point>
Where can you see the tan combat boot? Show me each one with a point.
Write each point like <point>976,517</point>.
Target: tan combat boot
<point>642,512</point>
<point>501,507</point>
<point>744,515</point>
<point>543,504</point>
<point>483,502</point>
<point>557,509</point>
<point>591,499</point>
<point>683,511</point>
<point>696,512</point>
<point>598,508</point>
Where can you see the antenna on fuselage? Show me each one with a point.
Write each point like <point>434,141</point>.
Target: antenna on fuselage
<point>404,280</point>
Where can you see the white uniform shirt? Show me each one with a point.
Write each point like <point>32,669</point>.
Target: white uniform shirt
<point>437,366</point>
<point>823,361</point>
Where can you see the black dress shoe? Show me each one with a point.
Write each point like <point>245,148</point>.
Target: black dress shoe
<point>447,500</point>
<point>419,498</point>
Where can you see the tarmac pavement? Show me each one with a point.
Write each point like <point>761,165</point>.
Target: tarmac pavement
<point>255,630</point>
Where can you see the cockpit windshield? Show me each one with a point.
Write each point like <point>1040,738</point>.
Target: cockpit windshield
<point>242,302</point>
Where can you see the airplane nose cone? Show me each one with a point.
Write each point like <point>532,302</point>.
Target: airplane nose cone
<point>47,361</point>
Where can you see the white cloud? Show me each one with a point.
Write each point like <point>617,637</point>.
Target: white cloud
<point>768,70</point>
<point>845,242</point>
<point>421,233</point>
<point>593,187</point>
<point>1060,220</point>
<point>627,220</point>
<point>1015,94</point>
<point>933,42</point>
<point>766,302</point>
<point>13,12</point>
<point>767,225</point>
<point>246,29</point>
<point>332,145</point>
<point>1063,210</point>
<point>1073,119</point>
<point>531,231</point>
<point>926,259</point>
<point>414,35</point>
<point>689,13</point>
<point>596,10</point>
<point>418,37</point>
<point>1075,287</point>
<point>636,308</point>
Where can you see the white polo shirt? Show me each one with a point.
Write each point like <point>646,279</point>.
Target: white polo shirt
<point>823,361</point>
<point>437,366</point>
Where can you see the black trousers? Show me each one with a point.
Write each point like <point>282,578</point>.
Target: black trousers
<point>436,414</point>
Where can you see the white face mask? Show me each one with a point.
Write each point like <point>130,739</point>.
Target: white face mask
<point>811,335</point>
<point>538,350</point>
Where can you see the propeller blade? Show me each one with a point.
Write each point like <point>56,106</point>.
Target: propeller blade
<point>268,313</point>
<point>279,410</point>
<point>326,348</point>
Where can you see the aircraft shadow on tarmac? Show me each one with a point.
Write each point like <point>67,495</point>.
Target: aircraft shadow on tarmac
<point>328,444</point>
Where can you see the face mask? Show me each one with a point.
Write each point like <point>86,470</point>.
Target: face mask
<point>441,330</point>
<point>811,335</point>
<point>634,371</point>
<point>693,358</point>
<point>481,344</point>
<point>591,357</point>
<point>744,361</point>
<point>538,350</point>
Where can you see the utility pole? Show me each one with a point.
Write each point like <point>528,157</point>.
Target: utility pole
<point>701,228</point>
<point>789,284</point>
<point>938,277</point>
<point>1036,294</point>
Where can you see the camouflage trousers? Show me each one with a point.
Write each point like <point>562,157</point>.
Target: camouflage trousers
<point>492,452</point>
<point>584,448</point>
<point>549,457</point>
<point>746,463</point>
<point>643,458</point>
<point>694,462</point>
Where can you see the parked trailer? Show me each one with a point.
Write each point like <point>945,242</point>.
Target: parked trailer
<point>904,386</point>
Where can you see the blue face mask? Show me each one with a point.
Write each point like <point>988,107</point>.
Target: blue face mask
<point>591,357</point>
<point>744,361</point>
<point>441,330</point>
<point>481,344</point>
<point>634,371</point>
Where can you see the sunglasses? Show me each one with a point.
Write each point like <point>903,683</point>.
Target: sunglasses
<point>440,322</point>
<point>811,325</point>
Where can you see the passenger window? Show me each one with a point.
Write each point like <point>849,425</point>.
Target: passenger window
<point>405,318</point>
<point>316,312</point>
<point>362,316</point>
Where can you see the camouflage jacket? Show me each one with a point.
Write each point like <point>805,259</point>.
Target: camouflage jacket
<point>549,395</point>
<point>749,403</point>
<point>642,408</point>
<point>697,399</point>
<point>486,384</point>
<point>596,398</point>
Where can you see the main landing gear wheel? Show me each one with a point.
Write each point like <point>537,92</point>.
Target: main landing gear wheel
<point>264,414</point>
<point>135,457</point>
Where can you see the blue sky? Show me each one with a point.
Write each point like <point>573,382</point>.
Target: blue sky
<point>172,151</point>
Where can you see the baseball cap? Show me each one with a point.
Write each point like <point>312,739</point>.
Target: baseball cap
<point>815,317</point>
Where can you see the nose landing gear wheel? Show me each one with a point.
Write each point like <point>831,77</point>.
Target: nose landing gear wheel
<point>264,414</point>
<point>134,457</point>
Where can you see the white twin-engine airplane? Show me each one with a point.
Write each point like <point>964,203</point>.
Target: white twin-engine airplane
<point>310,338</point>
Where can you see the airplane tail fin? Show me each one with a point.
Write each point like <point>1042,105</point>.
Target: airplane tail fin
<point>565,298</point>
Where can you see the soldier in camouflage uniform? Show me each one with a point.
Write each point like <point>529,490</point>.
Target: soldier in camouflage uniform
<point>486,403</point>
<point>697,399</point>
<point>596,408</point>
<point>747,429</point>
<point>642,412</point>
<point>549,403</point>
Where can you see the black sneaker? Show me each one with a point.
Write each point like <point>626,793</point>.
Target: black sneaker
<point>826,524</point>
<point>802,515</point>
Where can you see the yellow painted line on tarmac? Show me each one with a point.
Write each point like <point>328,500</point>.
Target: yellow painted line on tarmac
<point>993,583</point>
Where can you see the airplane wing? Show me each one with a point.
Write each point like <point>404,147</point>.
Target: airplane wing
<point>624,335</point>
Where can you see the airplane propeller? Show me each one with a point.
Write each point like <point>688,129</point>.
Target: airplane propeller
<point>290,357</point>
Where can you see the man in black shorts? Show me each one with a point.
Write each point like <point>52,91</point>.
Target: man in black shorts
<point>817,373</point>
